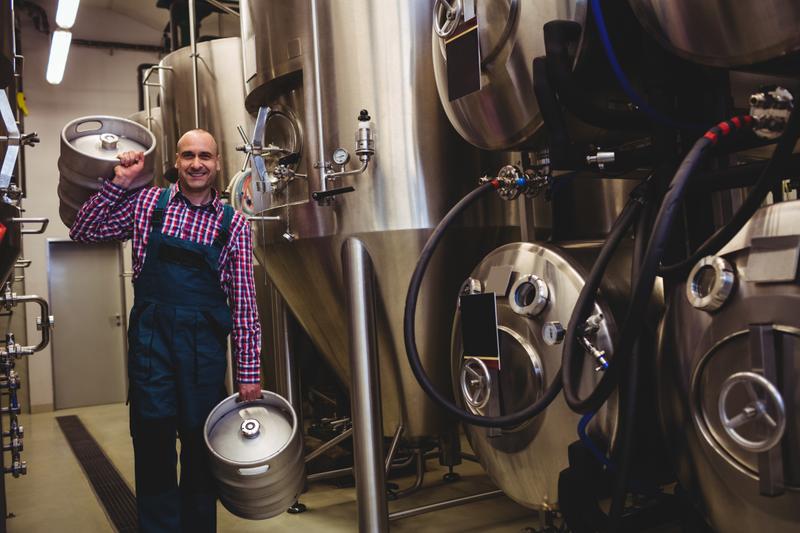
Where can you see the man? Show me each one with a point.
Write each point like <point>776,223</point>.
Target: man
<point>192,257</point>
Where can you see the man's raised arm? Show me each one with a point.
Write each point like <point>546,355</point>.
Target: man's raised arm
<point>108,214</point>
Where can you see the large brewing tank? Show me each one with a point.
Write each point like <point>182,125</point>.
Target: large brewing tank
<point>536,287</point>
<point>374,56</point>
<point>729,367</point>
<point>503,112</point>
<point>220,100</point>
<point>156,126</point>
<point>723,33</point>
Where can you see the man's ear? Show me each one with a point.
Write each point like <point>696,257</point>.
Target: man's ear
<point>176,161</point>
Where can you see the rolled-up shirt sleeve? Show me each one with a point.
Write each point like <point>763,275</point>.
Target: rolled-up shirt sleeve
<point>239,285</point>
<point>107,215</point>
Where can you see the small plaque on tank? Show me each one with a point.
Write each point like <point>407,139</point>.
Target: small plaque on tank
<point>463,52</point>
<point>479,334</point>
<point>773,259</point>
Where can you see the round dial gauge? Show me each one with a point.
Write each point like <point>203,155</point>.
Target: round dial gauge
<point>341,156</point>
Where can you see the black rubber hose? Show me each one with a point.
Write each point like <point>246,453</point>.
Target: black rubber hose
<point>628,398</point>
<point>635,316</point>
<point>410,337</point>
<point>772,173</point>
<point>586,299</point>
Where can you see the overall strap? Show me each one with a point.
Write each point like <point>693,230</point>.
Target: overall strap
<point>224,230</point>
<point>157,218</point>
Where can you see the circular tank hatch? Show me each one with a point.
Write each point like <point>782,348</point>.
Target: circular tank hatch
<point>739,412</point>
<point>519,382</point>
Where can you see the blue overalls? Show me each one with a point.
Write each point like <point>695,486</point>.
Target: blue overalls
<point>176,367</point>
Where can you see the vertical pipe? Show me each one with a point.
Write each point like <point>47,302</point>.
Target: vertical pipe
<point>365,389</point>
<point>193,43</point>
<point>285,369</point>
<point>323,185</point>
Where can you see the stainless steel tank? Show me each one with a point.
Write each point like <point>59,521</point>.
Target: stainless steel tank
<point>503,113</point>
<point>156,126</point>
<point>256,450</point>
<point>220,102</point>
<point>374,56</point>
<point>729,367</point>
<point>536,287</point>
<point>723,33</point>
<point>89,148</point>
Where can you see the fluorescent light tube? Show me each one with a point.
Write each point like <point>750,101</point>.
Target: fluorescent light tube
<point>59,49</point>
<point>66,13</point>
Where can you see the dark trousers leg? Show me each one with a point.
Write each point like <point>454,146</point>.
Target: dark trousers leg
<point>155,458</point>
<point>198,491</point>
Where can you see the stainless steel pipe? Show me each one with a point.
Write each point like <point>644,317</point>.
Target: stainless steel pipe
<point>323,182</point>
<point>408,513</point>
<point>359,278</point>
<point>193,43</point>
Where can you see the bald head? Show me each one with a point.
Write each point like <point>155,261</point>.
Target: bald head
<point>198,135</point>
<point>197,162</point>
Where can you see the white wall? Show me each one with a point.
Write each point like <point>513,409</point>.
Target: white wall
<point>96,82</point>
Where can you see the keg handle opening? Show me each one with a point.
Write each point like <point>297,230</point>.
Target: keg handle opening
<point>255,471</point>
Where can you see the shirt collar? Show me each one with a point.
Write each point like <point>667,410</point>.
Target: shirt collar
<point>214,204</point>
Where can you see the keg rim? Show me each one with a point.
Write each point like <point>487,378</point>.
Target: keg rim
<point>72,124</point>
<point>265,395</point>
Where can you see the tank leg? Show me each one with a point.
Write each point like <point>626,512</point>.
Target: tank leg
<point>373,512</point>
<point>450,454</point>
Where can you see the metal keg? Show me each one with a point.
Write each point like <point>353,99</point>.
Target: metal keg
<point>256,455</point>
<point>89,148</point>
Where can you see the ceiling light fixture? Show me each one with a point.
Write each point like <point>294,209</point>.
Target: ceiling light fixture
<point>66,13</point>
<point>59,50</point>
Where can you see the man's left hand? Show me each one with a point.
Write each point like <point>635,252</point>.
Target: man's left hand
<point>249,391</point>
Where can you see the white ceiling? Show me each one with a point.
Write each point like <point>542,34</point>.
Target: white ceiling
<point>144,11</point>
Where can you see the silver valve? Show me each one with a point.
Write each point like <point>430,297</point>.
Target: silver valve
<point>599,355</point>
<point>601,159</point>
<point>591,327</point>
<point>770,109</point>
<point>14,446</point>
<point>365,137</point>
<point>513,181</point>
<point>365,150</point>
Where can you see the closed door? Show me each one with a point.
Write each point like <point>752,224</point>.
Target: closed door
<point>89,338</point>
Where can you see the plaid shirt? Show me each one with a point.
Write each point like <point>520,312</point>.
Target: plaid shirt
<point>115,214</point>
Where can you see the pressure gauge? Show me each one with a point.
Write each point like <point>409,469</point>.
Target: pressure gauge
<point>341,156</point>
<point>553,333</point>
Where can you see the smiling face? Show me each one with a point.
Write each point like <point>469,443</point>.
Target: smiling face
<point>197,161</point>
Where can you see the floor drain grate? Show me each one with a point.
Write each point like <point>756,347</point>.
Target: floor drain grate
<point>114,494</point>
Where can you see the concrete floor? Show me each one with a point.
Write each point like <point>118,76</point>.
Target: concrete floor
<point>56,496</point>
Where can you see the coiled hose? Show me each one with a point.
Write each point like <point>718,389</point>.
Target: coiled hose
<point>635,316</point>
<point>409,334</point>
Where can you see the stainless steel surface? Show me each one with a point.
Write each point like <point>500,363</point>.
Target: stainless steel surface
<point>194,59</point>
<point>155,124</point>
<point>221,99</point>
<point>723,33</point>
<point>84,163</point>
<point>421,168</point>
<point>259,476</point>
<point>525,461</point>
<point>438,506</point>
<point>365,391</point>
<point>503,114</point>
<point>706,362</point>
